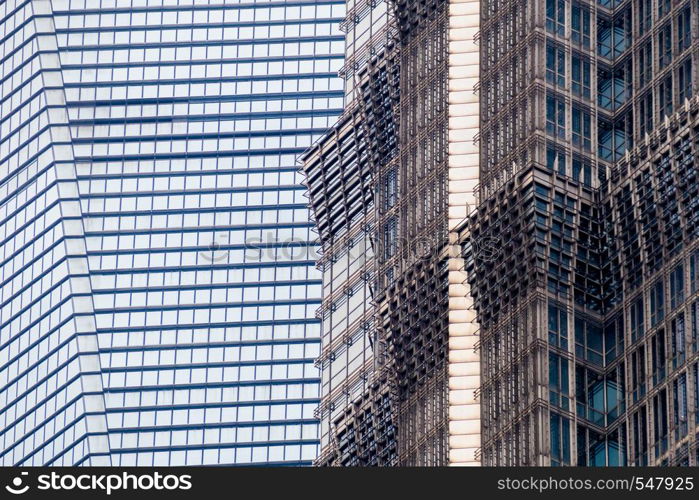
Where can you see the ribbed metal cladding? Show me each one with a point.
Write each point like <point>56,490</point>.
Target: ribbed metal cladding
<point>412,274</point>
<point>582,254</point>
<point>394,410</point>
<point>344,173</point>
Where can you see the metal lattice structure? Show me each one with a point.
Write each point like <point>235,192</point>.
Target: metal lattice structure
<point>578,272</point>
<point>582,253</point>
<point>357,411</point>
<point>411,278</point>
<point>391,147</point>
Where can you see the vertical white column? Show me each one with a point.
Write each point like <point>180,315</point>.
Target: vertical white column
<point>464,362</point>
<point>61,154</point>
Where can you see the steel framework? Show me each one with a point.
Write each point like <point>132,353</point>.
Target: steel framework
<point>574,244</point>
<point>398,124</point>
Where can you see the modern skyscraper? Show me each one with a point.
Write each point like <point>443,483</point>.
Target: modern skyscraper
<point>533,223</point>
<point>388,186</point>
<point>338,170</point>
<point>158,277</point>
<point>590,207</point>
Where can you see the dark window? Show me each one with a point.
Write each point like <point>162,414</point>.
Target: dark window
<point>679,403</point>
<point>694,325</point>
<point>660,423</point>
<point>391,188</point>
<point>636,319</point>
<point>556,16</point>
<point>664,7</point>
<point>640,437</point>
<point>644,8</point>
<point>665,45</point>
<point>646,114</point>
<point>638,373</point>
<point>677,286</point>
<point>610,4</point>
<point>590,395</point>
<point>694,272</point>
<point>390,237</point>
<point>605,38</point>
<point>679,354</point>
<point>582,171</point>
<point>614,338</point>
<point>645,63</point>
<point>560,440</point>
<point>684,81</point>
<point>555,116</point>
<point>580,76</point>
<point>588,341</point>
<point>614,35</point>
<point>605,140</point>
<point>559,380</point>
<point>684,29</point>
<point>657,303</point>
<point>665,96</point>
<point>555,65</point>
<point>580,25</point>
<point>592,448</point>
<point>605,88</point>
<point>581,128</point>
<point>556,159</point>
<point>613,139</point>
<point>658,357</point>
<point>614,87</point>
<point>558,327</point>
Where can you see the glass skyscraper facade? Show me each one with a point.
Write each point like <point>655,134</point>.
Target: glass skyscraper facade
<point>157,258</point>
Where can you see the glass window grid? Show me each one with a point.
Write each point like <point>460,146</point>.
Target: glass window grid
<point>72,449</point>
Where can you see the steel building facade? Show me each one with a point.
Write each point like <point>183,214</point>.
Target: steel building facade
<point>398,366</point>
<point>356,409</point>
<point>532,230</point>
<point>581,255</point>
<point>158,279</point>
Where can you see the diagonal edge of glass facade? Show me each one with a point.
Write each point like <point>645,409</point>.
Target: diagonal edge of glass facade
<point>54,409</point>
<point>188,268</point>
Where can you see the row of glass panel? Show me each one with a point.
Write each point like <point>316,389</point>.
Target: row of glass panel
<point>197,16</point>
